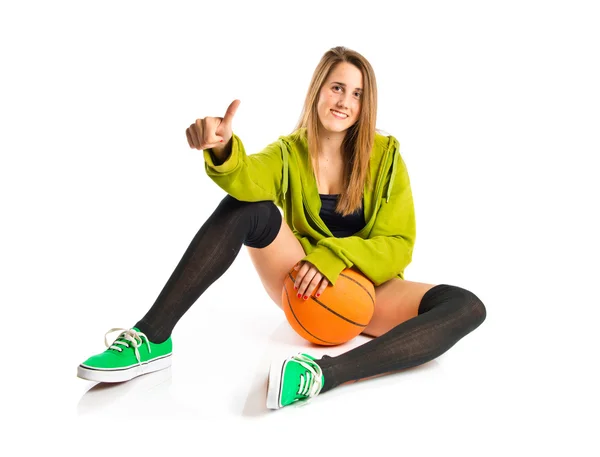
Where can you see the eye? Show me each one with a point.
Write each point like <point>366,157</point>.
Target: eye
<point>358,94</point>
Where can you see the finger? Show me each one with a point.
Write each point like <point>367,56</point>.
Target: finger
<point>297,282</point>
<point>306,268</point>
<point>189,133</point>
<point>322,287</point>
<point>228,118</point>
<point>302,269</point>
<point>308,277</point>
<point>202,132</point>
<point>312,286</point>
<point>196,133</point>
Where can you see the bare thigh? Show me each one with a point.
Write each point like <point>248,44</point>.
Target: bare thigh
<point>276,260</point>
<point>396,301</point>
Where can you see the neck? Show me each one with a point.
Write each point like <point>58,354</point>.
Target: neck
<point>330,143</point>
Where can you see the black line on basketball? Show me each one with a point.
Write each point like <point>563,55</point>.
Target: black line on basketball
<point>355,281</point>
<point>328,308</point>
<point>338,314</point>
<point>300,323</point>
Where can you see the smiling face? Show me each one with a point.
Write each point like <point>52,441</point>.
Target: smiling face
<point>340,98</point>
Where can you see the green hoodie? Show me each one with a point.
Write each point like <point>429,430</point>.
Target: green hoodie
<point>282,173</point>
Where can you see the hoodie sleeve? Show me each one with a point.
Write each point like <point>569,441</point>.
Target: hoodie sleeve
<point>250,178</point>
<point>388,250</point>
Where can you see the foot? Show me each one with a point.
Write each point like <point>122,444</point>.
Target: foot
<point>295,380</point>
<point>130,355</point>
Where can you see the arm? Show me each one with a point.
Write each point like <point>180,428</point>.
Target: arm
<point>254,177</point>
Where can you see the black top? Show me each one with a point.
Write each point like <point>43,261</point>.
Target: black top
<point>339,225</point>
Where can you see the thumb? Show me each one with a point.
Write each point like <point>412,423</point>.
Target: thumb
<point>228,118</point>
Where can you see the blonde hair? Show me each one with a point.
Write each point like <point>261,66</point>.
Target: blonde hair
<point>359,139</point>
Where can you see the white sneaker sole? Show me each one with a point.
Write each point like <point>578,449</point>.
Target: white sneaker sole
<point>274,387</point>
<point>123,374</point>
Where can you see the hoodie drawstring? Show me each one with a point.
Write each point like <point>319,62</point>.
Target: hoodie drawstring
<point>394,163</point>
<point>284,178</point>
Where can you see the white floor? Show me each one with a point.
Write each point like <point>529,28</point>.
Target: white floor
<point>496,392</point>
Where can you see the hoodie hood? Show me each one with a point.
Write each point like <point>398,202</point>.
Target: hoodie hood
<point>379,160</point>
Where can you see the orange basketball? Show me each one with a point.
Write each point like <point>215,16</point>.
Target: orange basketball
<point>338,315</point>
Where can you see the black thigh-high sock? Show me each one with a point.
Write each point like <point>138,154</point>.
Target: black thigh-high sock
<point>209,255</point>
<point>446,314</point>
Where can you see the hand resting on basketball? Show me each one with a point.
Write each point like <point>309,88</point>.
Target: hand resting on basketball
<point>308,277</point>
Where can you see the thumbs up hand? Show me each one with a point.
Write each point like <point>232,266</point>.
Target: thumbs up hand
<point>212,132</point>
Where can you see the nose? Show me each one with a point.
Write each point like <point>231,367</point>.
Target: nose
<point>343,101</point>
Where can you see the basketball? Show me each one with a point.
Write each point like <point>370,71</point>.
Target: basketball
<point>339,314</point>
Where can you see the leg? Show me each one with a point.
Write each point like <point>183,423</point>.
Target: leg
<point>413,324</point>
<point>396,301</point>
<point>209,255</point>
<point>444,315</point>
<point>275,261</point>
<point>148,347</point>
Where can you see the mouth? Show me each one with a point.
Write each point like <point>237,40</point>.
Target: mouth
<point>338,114</point>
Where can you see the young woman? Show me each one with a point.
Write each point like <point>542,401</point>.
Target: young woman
<point>347,203</point>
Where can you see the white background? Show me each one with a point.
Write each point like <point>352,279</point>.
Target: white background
<point>496,107</point>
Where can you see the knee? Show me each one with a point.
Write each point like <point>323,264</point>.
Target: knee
<point>476,309</point>
<point>265,223</point>
<point>462,300</point>
<point>262,219</point>
<point>232,203</point>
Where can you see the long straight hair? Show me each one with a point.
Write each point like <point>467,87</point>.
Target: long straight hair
<point>359,138</point>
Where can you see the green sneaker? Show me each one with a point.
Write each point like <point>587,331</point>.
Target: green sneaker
<point>297,379</point>
<point>128,356</point>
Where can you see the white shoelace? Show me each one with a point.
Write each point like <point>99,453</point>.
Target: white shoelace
<point>312,384</point>
<point>135,338</point>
